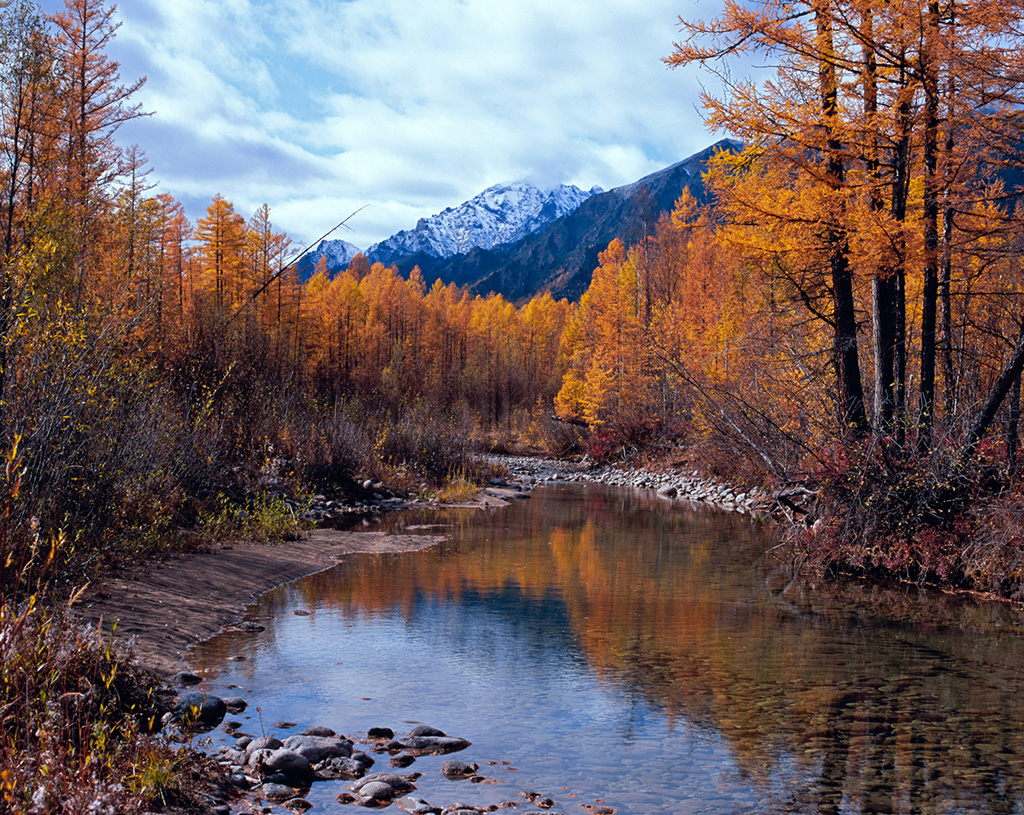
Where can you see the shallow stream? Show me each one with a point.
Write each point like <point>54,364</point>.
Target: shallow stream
<point>606,648</point>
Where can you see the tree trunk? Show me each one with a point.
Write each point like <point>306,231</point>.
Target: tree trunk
<point>852,411</point>
<point>930,291</point>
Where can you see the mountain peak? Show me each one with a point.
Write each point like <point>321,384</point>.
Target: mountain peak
<point>503,213</point>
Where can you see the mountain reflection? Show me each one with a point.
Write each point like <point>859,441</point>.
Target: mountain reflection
<point>824,703</point>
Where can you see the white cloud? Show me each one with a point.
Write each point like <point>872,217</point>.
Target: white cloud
<point>318,107</point>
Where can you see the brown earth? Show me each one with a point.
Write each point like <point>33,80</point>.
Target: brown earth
<point>170,605</point>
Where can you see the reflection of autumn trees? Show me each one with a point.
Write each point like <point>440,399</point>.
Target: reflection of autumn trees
<point>667,606</point>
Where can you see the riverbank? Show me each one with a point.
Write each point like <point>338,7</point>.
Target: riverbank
<point>165,607</point>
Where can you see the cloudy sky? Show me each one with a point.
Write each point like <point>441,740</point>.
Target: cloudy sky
<point>404,107</point>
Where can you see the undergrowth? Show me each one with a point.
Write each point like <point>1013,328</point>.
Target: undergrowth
<point>78,722</point>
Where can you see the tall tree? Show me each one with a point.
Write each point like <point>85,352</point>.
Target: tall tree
<point>96,105</point>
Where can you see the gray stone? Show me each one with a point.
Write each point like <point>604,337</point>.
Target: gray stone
<point>458,769</point>
<point>437,745</point>
<point>261,743</point>
<point>283,760</point>
<point>426,730</point>
<point>396,782</point>
<point>317,730</point>
<point>276,792</point>
<point>417,806</point>
<point>337,768</point>
<point>318,748</point>
<point>377,791</point>
<point>235,704</point>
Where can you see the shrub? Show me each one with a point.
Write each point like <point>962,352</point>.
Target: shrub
<point>892,511</point>
<point>76,721</point>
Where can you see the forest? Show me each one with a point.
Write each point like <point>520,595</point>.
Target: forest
<point>842,316</point>
<point>842,319</point>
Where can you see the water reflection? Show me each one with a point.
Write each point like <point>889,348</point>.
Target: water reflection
<point>613,647</point>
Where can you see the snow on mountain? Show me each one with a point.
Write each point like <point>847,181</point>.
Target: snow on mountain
<point>500,214</point>
<point>338,253</point>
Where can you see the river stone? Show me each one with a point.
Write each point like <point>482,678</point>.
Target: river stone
<point>243,742</point>
<point>458,769</point>
<point>261,743</point>
<point>376,792</point>
<point>298,805</point>
<point>668,491</point>
<point>436,744</point>
<point>417,806</point>
<point>402,760</point>
<point>380,733</point>
<point>257,759</point>
<point>396,782</point>
<point>238,779</point>
<point>362,758</point>
<point>235,756</point>
<point>318,748</point>
<point>235,704</point>
<point>335,768</point>
<point>317,730</point>
<point>199,708</point>
<point>186,678</point>
<point>426,730</point>
<point>289,762</point>
<point>276,792</point>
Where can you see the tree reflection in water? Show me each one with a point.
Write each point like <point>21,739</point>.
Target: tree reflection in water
<point>648,655</point>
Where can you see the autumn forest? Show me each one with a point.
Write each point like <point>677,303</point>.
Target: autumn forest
<point>842,313</point>
<point>838,317</point>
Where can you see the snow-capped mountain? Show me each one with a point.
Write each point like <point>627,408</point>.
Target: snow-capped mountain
<point>338,253</point>
<point>500,214</point>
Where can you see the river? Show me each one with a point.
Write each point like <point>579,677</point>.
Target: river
<point>605,648</point>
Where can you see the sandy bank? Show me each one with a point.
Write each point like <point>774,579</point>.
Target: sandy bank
<point>169,605</point>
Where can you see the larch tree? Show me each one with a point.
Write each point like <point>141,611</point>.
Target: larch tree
<point>96,104</point>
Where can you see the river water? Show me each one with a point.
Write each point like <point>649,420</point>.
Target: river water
<point>606,648</point>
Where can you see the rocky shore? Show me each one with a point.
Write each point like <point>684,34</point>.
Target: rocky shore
<point>524,473</point>
<point>674,484</point>
<point>267,771</point>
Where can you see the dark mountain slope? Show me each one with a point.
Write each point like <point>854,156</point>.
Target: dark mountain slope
<point>562,257</point>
